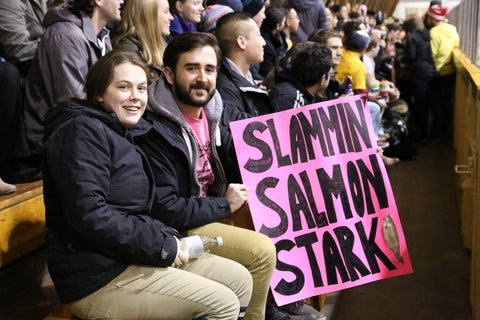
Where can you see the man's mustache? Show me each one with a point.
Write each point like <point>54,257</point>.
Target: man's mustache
<point>200,86</point>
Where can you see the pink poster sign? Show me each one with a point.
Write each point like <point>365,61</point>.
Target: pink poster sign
<point>319,189</point>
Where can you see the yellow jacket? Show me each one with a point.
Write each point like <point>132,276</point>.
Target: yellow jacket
<point>444,38</point>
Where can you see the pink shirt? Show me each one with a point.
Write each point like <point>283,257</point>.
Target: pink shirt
<point>199,128</point>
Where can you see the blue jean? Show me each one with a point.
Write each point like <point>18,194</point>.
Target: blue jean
<point>376,115</point>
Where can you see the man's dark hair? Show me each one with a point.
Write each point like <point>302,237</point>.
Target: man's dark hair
<point>311,64</point>
<point>336,8</point>
<point>79,6</point>
<point>351,40</point>
<point>323,34</point>
<point>186,42</point>
<point>229,28</point>
<point>274,16</point>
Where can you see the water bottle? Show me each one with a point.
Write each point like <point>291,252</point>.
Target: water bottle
<point>195,246</point>
<point>375,88</point>
<point>384,91</point>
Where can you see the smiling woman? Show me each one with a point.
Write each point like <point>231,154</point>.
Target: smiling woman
<point>126,95</point>
<point>187,14</point>
<point>104,246</point>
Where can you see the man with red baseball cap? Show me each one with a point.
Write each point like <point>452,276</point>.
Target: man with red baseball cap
<point>444,39</point>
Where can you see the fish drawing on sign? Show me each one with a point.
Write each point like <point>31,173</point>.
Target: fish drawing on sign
<point>391,236</point>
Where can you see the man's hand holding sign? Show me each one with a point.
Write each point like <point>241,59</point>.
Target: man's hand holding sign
<point>319,189</point>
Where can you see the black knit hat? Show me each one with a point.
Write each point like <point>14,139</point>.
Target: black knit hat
<point>253,6</point>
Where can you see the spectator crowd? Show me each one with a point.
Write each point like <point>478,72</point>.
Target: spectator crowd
<point>123,107</point>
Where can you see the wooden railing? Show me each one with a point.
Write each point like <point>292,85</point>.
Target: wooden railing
<point>467,143</point>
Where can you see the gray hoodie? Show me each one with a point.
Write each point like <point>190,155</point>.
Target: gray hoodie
<point>69,47</point>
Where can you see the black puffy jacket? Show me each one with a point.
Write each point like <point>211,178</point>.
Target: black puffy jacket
<point>98,192</point>
<point>237,90</point>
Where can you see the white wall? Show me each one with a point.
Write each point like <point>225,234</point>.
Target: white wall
<point>405,8</point>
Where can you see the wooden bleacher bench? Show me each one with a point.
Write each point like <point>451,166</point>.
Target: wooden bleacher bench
<point>22,231</point>
<point>22,222</point>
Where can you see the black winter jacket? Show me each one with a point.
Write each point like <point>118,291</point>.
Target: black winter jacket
<point>274,50</point>
<point>288,93</point>
<point>173,154</point>
<point>98,192</point>
<point>419,57</point>
<point>237,90</point>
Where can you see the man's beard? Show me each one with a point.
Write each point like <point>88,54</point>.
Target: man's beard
<point>184,95</point>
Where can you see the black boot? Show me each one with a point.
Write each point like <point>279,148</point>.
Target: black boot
<point>273,312</point>
<point>303,308</point>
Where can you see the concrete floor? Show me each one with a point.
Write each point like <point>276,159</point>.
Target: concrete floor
<point>439,287</point>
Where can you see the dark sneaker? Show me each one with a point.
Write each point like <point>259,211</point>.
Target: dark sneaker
<point>273,312</point>
<point>23,175</point>
<point>303,308</point>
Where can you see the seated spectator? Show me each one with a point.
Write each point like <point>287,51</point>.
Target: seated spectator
<point>331,18</point>
<point>372,82</point>
<point>15,166</point>
<point>276,45</point>
<point>186,14</point>
<point>10,90</point>
<point>242,45</point>
<point>341,12</point>
<point>144,25</point>
<point>235,5</point>
<point>75,37</point>
<point>371,20</point>
<point>292,23</point>
<point>332,39</point>
<point>192,193</point>
<point>310,73</point>
<point>107,256</point>
<point>285,64</point>
<point>211,15</point>
<point>21,30</point>
<point>312,16</point>
<point>387,59</point>
<point>356,42</point>
<point>256,10</point>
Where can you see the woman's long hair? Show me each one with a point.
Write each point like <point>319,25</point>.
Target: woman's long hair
<point>140,19</point>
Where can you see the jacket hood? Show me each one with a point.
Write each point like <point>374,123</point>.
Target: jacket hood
<point>283,73</point>
<point>161,102</point>
<point>60,14</point>
<point>73,108</point>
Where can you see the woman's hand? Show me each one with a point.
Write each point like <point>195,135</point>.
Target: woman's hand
<point>181,257</point>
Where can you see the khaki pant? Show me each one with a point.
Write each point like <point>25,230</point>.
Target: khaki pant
<point>211,286</point>
<point>251,249</point>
